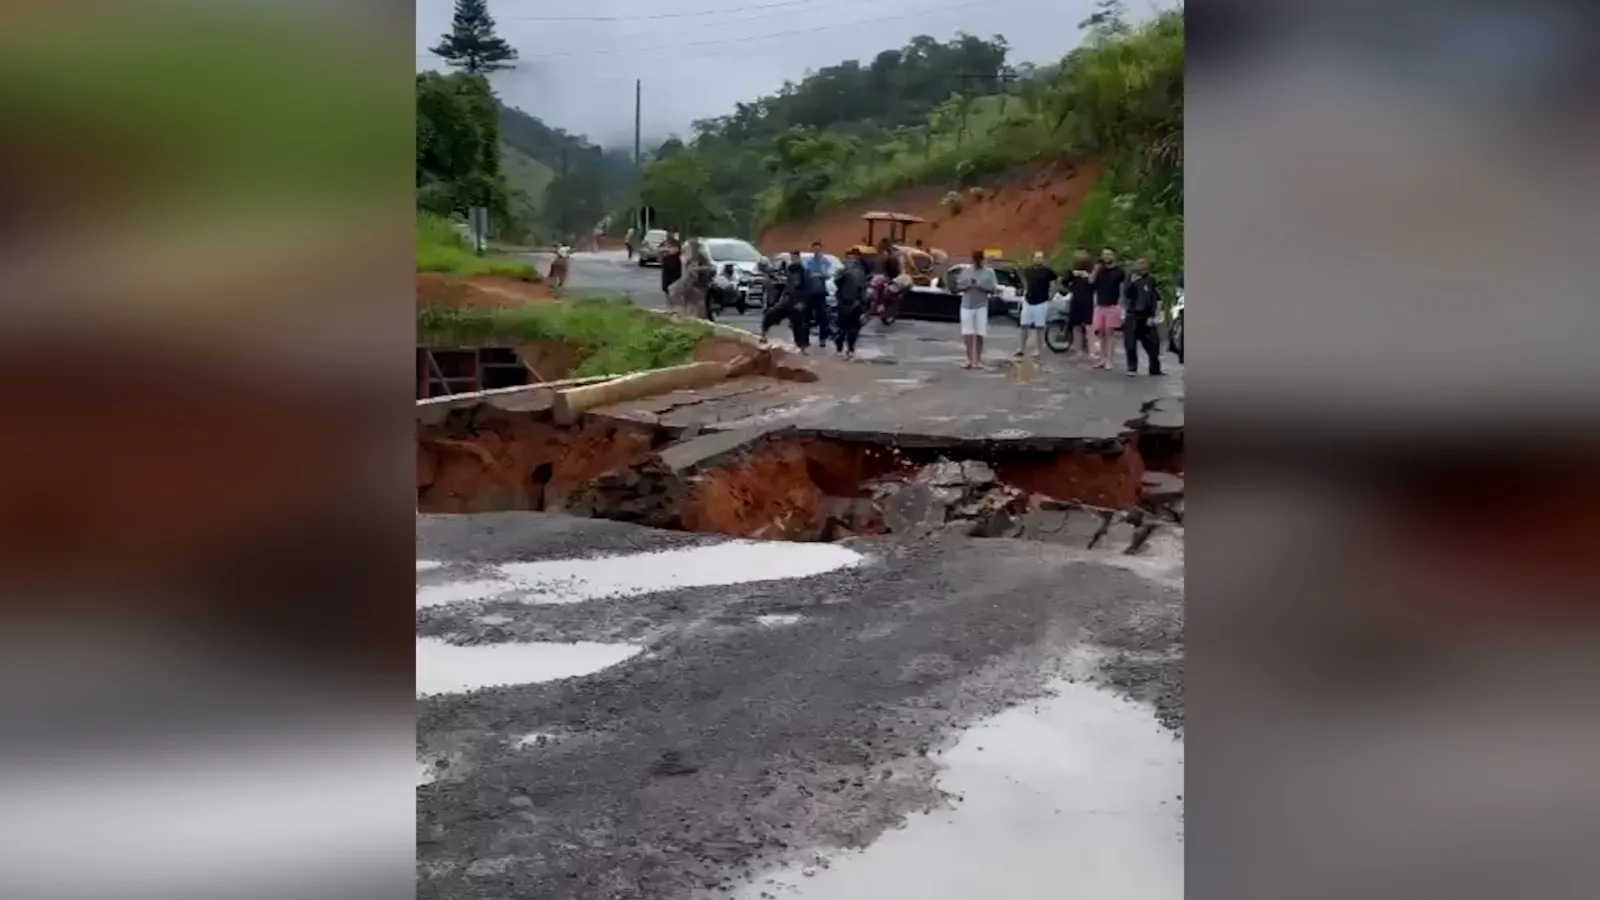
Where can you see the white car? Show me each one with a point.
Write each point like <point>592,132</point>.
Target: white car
<point>1006,302</point>
<point>738,264</point>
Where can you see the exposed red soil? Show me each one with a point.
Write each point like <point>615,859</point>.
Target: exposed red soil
<point>840,469</point>
<point>769,496</point>
<point>512,462</point>
<point>482,291</point>
<point>1106,480</point>
<point>1018,213</point>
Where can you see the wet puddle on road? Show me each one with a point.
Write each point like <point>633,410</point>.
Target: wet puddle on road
<point>577,580</point>
<point>444,668</point>
<point>1075,796</point>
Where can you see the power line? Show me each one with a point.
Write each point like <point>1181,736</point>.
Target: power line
<point>688,14</point>
<point>723,42</point>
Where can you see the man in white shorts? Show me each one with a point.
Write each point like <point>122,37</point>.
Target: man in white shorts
<point>1038,282</point>
<point>977,285</point>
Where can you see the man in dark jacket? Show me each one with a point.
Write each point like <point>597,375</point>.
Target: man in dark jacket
<point>1143,297</point>
<point>792,305</point>
<point>1080,301</point>
<point>671,265</point>
<point>851,286</point>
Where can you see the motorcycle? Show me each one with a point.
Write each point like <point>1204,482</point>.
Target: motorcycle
<point>885,300</point>
<point>1057,333</point>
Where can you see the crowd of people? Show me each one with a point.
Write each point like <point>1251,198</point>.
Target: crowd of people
<point>1101,298</point>
<point>798,294</point>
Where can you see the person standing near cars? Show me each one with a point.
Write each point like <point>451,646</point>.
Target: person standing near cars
<point>850,287</point>
<point>1108,279</point>
<point>977,285</point>
<point>791,304</point>
<point>1038,280</point>
<point>1139,327</point>
<point>671,266</point>
<point>627,242</point>
<point>1080,301</point>
<point>817,293</point>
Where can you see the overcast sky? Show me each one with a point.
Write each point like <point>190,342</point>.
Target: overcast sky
<point>578,75</point>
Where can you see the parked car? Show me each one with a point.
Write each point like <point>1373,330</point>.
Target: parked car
<point>738,281</point>
<point>650,246</point>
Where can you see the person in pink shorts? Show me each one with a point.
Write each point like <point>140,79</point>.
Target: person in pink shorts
<point>1108,279</point>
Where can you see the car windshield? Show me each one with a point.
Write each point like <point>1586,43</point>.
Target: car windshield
<point>655,234</point>
<point>732,251</point>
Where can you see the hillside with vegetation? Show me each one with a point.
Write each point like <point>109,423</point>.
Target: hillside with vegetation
<point>473,150</point>
<point>957,115</point>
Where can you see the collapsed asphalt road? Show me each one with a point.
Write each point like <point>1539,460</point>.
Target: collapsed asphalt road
<point>720,718</point>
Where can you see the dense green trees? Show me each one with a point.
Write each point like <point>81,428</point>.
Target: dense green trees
<point>933,112</point>
<point>1120,97</point>
<point>587,181</point>
<point>678,188</point>
<point>775,155</point>
<point>458,148</point>
<point>461,126</point>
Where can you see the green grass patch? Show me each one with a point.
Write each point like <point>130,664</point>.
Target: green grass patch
<point>612,336</point>
<point>441,248</point>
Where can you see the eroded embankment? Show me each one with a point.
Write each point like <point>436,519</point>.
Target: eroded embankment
<point>1019,212</point>
<point>788,483</point>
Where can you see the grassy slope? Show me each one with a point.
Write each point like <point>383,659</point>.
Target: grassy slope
<point>440,248</point>
<point>525,174</point>
<point>612,336</point>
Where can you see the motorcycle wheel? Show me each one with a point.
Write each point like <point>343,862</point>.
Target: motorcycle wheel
<point>1176,338</point>
<point>741,306</point>
<point>1057,336</point>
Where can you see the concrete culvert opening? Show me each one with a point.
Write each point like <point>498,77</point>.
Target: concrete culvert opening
<point>797,484</point>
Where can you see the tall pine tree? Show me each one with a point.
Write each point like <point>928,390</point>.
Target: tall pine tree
<point>471,45</point>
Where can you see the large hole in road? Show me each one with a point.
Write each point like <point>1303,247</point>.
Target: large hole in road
<point>791,483</point>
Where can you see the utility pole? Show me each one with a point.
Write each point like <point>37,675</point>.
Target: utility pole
<point>638,169</point>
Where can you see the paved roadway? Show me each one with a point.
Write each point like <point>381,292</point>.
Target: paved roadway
<point>907,341</point>
<point>608,712</point>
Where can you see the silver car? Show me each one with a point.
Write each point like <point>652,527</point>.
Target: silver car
<point>738,264</point>
<point>650,246</point>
